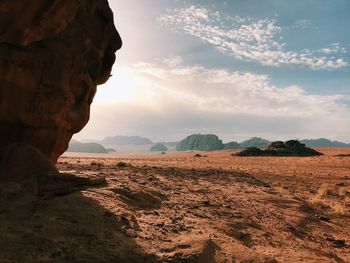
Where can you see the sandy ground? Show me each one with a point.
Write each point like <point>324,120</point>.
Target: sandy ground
<point>181,208</point>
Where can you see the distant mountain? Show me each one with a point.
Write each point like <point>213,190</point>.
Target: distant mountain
<point>158,148</point>
<point>126,140</point>
<point>323,142</point>
<point>87,140</point>
<point>255,142</point>
<point>170,144</point>
<point>75,146</point>
<point>200,142</point>
<point>232,146</point>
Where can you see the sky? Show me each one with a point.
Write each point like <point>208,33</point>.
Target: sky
<point>276,69</point>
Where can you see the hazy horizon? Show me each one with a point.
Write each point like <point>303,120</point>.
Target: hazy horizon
<point>237,69</point>
<point>225,140</point>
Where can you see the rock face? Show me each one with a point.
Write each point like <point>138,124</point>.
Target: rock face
<point>289,148</point>
<point>53,54</point>
<point>200,142</point>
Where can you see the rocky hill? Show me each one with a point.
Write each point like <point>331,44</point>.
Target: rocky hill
<point>75,146</point>
<point>255,142</point>
<point>289,148</point>
<point>200,142</point>
<point>232,146</point>
<point>158,148</point>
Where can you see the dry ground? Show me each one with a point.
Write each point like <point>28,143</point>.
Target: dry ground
<point>181,208</point>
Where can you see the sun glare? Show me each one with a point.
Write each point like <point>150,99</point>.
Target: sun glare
<point>123,86</point>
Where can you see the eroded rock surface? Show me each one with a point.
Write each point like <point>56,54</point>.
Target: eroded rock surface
<point>53,54</point>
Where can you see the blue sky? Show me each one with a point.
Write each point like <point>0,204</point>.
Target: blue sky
<point>273,68</point>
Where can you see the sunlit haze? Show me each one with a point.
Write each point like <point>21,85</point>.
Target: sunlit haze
<point>273,69</point>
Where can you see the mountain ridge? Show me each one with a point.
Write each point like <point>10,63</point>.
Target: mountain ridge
<point>125,140</point>
<point>215,141</point>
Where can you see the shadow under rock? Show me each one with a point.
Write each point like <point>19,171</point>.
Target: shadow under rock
<point>70,228</point>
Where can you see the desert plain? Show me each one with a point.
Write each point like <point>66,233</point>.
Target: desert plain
<point>177,207</point>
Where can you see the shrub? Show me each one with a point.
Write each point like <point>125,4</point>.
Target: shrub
<point>98,164</point>
<point>122,164</point>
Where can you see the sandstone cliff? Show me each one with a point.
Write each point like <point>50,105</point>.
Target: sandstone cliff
<point>53,54</point>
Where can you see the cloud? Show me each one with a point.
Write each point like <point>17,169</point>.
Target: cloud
<point>228,91</point>
<point>302,24</point>
<point>247,39</point>
<point>335,48</point>
<point>176,100</point>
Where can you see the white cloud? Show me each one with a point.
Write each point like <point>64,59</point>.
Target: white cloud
<point>172,100</point>
<point>335,48</point>
<point>172,61</point>
<point>222,90</point>
<point>248,39</point>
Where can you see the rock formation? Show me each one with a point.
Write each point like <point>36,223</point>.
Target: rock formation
<point>200,142</point>
<point>53,54</point>
<point>158,148</point>
<point>232,146</point>
<point>250,152</point>
<point>255,142</point>
<point>289,148</point>
<point>89,147</point>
